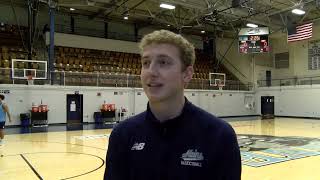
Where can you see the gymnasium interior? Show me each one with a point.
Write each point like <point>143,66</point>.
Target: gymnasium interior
<point>70,72</point>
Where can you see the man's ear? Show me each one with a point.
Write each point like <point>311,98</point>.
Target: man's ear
<point>187,74</point>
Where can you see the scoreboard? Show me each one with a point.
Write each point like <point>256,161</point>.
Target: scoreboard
<point>254,40</point>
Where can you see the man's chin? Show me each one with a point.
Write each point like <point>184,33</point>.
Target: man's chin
<point>155,98</point>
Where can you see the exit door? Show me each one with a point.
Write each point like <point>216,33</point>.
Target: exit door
<point>74,108</point>
<point>267,106</point>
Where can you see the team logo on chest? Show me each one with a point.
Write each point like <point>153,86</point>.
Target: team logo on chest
<point>192,158</point>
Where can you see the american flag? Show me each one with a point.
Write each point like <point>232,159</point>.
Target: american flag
<point>299,33</point>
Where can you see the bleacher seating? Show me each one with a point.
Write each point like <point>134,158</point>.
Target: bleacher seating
<point>86,60</point>
<point>11,40</point>
<point>108,63</point>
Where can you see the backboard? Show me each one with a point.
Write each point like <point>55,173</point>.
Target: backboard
<point>217,79</point>
<point>23,69</point>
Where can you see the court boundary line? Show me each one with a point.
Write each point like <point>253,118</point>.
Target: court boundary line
<point>32,168</point>
<point>101,165</point>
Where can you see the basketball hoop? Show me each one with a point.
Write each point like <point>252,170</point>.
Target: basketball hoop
<point>35,69</point>
<point>30,80</point>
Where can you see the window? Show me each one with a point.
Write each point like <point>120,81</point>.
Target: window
<point>281,60</point>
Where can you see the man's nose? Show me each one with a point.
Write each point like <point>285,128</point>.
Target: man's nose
<point>153,68</point>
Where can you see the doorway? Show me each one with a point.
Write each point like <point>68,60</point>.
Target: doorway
<point>267,107</point>
<point>74,108</point>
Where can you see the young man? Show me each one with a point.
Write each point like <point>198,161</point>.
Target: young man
<point>3,111</point>
<point>173,139</point>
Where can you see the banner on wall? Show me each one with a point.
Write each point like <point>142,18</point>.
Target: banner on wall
<point>314,55</point>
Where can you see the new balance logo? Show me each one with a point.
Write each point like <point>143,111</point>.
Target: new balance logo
<point>138,146</point>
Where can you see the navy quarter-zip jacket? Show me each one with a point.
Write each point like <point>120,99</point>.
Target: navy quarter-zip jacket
<point>193,146</point>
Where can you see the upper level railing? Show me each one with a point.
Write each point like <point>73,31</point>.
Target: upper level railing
<point>64,78</point>
<point>100,33</point>
<point>294,81</point>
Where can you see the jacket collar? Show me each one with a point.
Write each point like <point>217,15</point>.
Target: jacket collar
<point>170,122</point>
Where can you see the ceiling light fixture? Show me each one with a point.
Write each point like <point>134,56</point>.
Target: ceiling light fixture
<point>72,9</point>
<point>203,32</point>
<point>126,17</point>
<point>298,11</point>
<point>167,6</point>
<point>252,25</point>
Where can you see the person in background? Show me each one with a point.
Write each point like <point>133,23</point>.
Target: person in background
<point>3,111</point>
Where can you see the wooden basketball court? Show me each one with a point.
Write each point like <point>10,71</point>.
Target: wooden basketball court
<point>283,148</point>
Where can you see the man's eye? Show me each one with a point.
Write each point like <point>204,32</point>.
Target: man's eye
<point>145,62</point>
<point>164,61</point>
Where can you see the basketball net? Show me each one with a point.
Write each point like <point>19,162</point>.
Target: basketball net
<point>220,86</point>
<point>30,80</point>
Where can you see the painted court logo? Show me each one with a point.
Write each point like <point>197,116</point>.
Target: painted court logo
<point>138,146</point>
<point>192,158</point>
<point>258,151</point>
